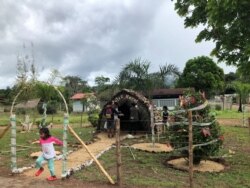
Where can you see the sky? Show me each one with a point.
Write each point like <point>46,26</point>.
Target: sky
<point>89,38</point>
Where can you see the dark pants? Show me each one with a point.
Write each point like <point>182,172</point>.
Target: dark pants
<point>111,128</point>
<point>133,126</point>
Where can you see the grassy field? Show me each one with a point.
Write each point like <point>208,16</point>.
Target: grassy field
<point>25,139</point>
<point>148,170</point>
<point>231,114</point>
<point>56,119</point>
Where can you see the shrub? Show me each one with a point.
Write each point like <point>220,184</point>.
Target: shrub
<point>218,107</point>
<point>93,119</point>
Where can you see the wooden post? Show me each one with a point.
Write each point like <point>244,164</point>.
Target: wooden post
<point>190,148</point>
<point>93,157</point>
<point>118,153</point>
<point>5,131</point>
<point>81,119</point>
<point>249,124</point>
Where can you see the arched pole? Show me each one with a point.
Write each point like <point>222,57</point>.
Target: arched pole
<point>13,135</point>
<point>65,135</point>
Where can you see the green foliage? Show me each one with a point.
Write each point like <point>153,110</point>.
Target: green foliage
<point>135,75</point>
<point>51,107</point>
<point>218,107</point>
<point>93,119</point>
<point>243,90</point>
<point>73,84</point>
<point>225,22</point>
<point>202,73</point>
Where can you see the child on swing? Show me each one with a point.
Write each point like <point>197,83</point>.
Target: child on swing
<point>48,152</point>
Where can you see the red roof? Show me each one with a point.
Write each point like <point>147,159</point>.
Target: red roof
<point>79,96</point>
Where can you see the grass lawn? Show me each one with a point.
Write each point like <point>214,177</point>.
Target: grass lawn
<point>231,114</point>
<point>56,119</point>
<point>147,170</point>
<point>25,139</point>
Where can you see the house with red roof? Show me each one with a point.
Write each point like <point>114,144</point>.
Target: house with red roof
<point>79,101</point>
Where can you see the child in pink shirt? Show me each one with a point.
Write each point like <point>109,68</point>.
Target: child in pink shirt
<point>48,152</point>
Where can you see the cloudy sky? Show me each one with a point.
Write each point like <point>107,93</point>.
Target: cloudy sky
<point>89,38</point>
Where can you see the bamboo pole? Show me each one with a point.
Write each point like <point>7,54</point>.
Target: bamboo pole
<point>13,142</point>
<point>65,135</point>
<point>93,157</point>
<point>190,148</point>
<point>118,153</point>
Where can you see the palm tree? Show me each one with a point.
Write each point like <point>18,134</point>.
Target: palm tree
<point>135,75</point>
<point>243,90</point>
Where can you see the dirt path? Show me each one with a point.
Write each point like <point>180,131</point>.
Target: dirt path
<point>76,158</point>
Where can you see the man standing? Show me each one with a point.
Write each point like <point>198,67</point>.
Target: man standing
<point>110,113</point>
<point>134,118</point>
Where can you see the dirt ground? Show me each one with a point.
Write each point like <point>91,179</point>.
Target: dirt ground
<point>24,182</point>
<point>230,122</point>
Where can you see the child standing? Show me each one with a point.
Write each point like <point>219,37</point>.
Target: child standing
<point>48,152</point>
<point>165,115</point>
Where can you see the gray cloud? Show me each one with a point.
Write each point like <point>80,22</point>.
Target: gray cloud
<point>89,38</point>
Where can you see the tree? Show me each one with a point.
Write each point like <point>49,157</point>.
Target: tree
<point>101,83</point>
<point>243,72</point>
<point>101,80</point>
<point>206,130</point>
<point>203,74</point>
<point>135,75</point>
<point>243,90</point>
<point>26,74</point>
<point>226,22</point>
<point>229,78</point>
<point>73,84</point>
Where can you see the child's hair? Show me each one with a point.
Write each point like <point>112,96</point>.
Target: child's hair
<point>165,108</point>
<point>46,132</point>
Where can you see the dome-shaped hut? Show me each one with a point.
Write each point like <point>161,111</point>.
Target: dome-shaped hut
<point>125,98</point>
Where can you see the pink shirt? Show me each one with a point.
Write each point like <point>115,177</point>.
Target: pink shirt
<point>48,147</point>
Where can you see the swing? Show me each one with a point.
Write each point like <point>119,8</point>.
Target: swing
<point>66,126</point>
<point>14,168</point>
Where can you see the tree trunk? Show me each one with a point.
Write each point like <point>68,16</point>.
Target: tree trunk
<point>240,104</point>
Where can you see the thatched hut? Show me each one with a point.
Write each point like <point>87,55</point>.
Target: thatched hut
<point>125,98</point>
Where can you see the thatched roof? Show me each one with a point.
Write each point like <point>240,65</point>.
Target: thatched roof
<point>136,96</point>
<point>29,104</point>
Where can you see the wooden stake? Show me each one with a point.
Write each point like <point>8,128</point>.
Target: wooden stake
<point>93,157</point>
<point>249,124</point>
<point>5,131</point>
<point>190,148</point>
<point>118,153</point>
